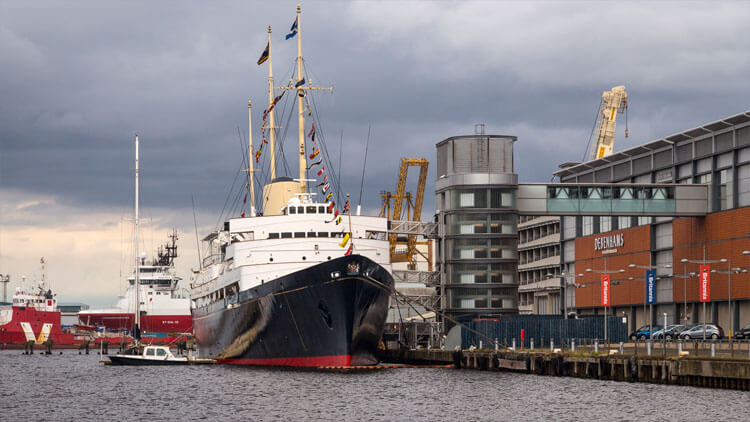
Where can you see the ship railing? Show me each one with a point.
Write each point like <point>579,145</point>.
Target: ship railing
<point>211,259</point>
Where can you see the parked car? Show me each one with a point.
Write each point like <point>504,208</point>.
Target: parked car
<point>645,332</point>
<point>670,332</point>
<point>743,332</point>
<point>713,331</point>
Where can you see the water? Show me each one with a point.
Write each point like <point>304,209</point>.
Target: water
<point>75,386</point>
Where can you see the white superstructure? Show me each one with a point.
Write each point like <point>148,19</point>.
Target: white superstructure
<point>255,250</point>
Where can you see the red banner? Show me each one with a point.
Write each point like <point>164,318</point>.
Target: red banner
<point>705,283</point>
<point>605,289</point>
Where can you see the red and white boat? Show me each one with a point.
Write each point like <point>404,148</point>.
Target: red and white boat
<point>33,316</point>
<point>164,308</point>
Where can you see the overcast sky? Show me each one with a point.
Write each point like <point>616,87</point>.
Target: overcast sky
<point>79,79</point>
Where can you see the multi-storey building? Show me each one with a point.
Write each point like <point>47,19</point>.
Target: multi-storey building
<point>539,265</point>
<point>477,223</point>
<point>717,154</point>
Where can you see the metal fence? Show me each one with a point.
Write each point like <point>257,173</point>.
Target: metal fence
<point>542,329</point>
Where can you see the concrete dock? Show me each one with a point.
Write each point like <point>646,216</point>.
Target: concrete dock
<point>716,372</point>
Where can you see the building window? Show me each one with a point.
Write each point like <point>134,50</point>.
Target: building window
<point>743,180</point>
<point>605,224</point>
<point>703,178</point>
<point>725,189</point>
<point>588,225</point>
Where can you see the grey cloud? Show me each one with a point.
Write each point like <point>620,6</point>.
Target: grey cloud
<point>79,81</point>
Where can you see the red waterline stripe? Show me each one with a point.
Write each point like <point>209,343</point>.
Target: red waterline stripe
<point>307,361</point>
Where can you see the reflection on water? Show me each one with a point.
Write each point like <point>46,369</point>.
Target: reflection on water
<point>72,386</point>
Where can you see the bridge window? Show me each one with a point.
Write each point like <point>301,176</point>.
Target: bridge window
<point>273,235</point>
<point>286,235</point>
<point>321,210</point>
<point>311,234</point>
<point>322,234</point>
<point>292,210</point>
<point>311,209</point>
<point>299,234</point>
<point>300,210</point>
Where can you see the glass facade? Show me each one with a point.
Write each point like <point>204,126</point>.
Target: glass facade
<point>716,154</point>
<point>478,224</point>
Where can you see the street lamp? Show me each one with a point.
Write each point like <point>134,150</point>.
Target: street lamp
<point>701,261</point>
<point>649,290</point>
<point>605,272</point>
<point>729,272</point>
<point>565,283</point>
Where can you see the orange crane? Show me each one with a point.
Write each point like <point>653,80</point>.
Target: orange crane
<point>398,254</point>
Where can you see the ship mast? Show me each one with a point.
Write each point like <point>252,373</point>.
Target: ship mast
<point>137,330</point>
<point>300,108</point>
<point>272,122</point>
<point>250,169</point>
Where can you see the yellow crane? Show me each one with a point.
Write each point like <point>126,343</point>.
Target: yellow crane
<point>614,101</point>
<point>398,254</point>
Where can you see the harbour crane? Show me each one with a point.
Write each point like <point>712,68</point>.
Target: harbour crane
<point>614,101</point>
<point>398,253</point>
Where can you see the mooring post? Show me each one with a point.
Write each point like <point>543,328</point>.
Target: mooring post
<point>496,344</point>
<point>572,345</point>
<point>596,345</point>
<point>679,348</point>
<point>648,348</point>
<point>531,343</point>
<point>514,344</point>
<point>621,347</point>
<point>480,344</point>
<point>551,344</point>
<point>713,349</point>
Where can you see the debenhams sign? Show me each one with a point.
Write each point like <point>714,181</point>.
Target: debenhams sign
<point>609,242</point>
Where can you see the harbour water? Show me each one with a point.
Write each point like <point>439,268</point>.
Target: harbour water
<point>72,386</point>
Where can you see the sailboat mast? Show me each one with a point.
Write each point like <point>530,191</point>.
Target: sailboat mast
<point>250,168</point>
<point>272,128</point>
<point>137,257</point>
<point>300,108</point>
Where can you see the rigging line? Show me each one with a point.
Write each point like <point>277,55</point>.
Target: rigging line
<point>244,164</point>
<point>341,150</point>
<point>591,135</point>
<point>226,201</point>
<point>367,146</point>
<point>282,138</point>
<point>197,241</point>
<point>335,181</point>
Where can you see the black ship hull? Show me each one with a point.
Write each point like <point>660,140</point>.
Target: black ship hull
<point>331,314</point>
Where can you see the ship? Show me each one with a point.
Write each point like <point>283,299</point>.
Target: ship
<point>302,284</point>
<point>33,315</point>
<point>153,303</point>
<point>165,307</point>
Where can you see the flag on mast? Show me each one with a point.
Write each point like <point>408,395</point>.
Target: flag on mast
<point>264,55</point>
<point>292,30</point>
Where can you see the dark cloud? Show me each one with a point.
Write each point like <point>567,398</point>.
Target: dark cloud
<point>80,80</point>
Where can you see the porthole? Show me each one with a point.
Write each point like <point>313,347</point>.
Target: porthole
<point>270,259</point>
<point>304,258</point>
<point>329,258</point>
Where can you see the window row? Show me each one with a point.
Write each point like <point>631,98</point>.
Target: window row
<point>474,223</point>
<point>534,233</point>
<point>497,298</point>
<point>307,209</point>
<point>537,254</point>
<point>289,235</point>
<point>482,273</point>
<point>478,198</point>
<point>497,248</point>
